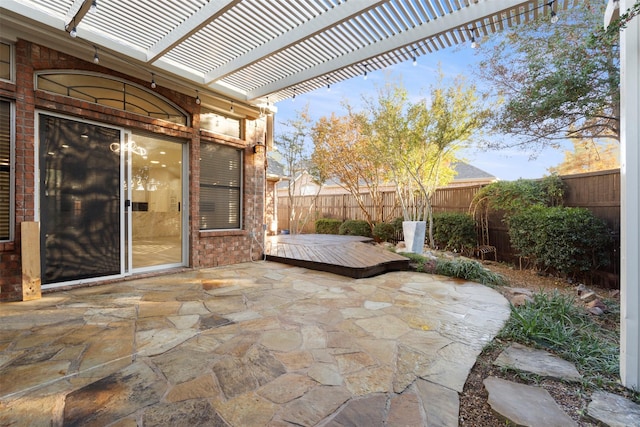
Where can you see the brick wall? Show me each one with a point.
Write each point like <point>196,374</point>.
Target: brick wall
<point>206,249</point>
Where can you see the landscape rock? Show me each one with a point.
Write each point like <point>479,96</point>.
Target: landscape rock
<point>613,410</point>
<point>596,311</point>
<point>538,362</point>
<point>588,296</point>
<point>597,303</point>
<point>518,296</point>
<point>525,405</point>
<point>520,300</point>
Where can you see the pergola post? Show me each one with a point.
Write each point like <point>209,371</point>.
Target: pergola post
<point>630,200</point>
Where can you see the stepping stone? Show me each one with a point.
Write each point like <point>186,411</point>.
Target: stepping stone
<point>525,405</point>
<point>539,362</point>
<point>613,410</point>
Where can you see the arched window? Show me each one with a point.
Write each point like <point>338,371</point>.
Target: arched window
<point>111,92</point>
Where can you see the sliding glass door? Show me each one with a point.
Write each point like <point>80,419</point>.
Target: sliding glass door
<point>80,200</point>
<point>155,192</point>
<point>111,202</point>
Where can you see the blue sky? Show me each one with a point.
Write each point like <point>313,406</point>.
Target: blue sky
<point>505,164</point>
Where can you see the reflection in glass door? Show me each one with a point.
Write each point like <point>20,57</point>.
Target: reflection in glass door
<point>155,194</point>
<point>80,204</point>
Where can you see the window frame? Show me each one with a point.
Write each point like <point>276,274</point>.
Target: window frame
<point>239,187</point>
<point>208,110</point>
<point>12,61</point>
<point>12,170</point>
<point>126,83</point>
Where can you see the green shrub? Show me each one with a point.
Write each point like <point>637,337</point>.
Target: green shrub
<point>512,197</point>
<point>355,227</point>
<point>328,226</point>
<point>384,231</point>
<point>454,232</point>
<point>568,240</point>
<point>397,224</point>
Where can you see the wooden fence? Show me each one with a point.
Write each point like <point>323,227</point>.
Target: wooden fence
<point>597,191</point>
<point>345,206</point>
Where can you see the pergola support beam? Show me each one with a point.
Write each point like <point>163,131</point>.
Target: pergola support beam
<point>630,201</point>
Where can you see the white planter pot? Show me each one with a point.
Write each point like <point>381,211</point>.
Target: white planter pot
<point>414,234</point>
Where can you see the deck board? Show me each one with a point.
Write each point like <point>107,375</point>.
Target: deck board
<point>352,256</point>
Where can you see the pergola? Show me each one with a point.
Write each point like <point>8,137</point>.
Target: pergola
<point>263,51</point>
<point>259,52</point>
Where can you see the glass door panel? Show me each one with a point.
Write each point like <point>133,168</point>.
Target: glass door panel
<point>156,198</point>
<point>80,203</point>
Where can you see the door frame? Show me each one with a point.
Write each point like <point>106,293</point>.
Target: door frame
<point>126,240</point>
<point>184,214</point>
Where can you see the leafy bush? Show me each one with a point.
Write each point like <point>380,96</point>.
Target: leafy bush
<point>328,226</point>
<point>397,224</point>
<point>355,227</point>
<point>512,197</point>
<point>384,231</point>
<point>568,240</point>
<point>468,269</point>
<point>454,232</point>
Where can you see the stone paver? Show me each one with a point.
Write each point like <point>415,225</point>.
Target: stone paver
<point>613,410</point>
<point>525,405</point>
<point>538,362</point>
<point>251,344</point>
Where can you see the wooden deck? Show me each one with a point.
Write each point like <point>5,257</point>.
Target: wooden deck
<point>352,256</point>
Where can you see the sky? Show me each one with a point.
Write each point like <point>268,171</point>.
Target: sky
<point>506,165</point>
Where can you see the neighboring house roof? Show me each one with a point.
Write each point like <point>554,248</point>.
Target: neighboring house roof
<point>466,175</point>
<point>275,168</point>
<point>466,171</point>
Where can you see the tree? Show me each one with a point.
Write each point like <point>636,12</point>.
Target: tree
<point>419,140</point>
<point>342,152</point>
<point>291,145</point>
<point>588,156</point>
<point>555,84</point>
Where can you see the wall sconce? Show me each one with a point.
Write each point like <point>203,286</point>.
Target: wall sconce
<point>259,149</point>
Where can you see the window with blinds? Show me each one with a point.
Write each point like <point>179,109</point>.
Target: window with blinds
<point>220,187</point>
<point>5,170</point>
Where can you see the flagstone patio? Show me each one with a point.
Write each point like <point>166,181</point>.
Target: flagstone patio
<point>256,344</point>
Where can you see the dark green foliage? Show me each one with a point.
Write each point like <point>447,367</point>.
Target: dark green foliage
<point>568,240</point>
<point>356,227</point>
<point>397,224</point>
<point>454,232</point>
<point>555,322</point>
<point>553,82</point>
<point>468,269</point>
<point>511,197</point>
<point>384,231</point>
<point>328,226</point>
